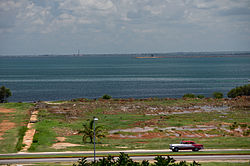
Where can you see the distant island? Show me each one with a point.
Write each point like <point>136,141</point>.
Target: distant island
<point>148,57</point>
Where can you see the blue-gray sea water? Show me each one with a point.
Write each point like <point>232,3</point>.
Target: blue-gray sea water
<point>121,76</point>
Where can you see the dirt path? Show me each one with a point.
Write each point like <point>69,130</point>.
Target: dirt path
<point>28,138</point>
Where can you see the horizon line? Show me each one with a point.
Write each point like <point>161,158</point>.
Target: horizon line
<point>149,53</point>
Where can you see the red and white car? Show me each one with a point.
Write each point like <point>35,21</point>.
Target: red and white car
<point>186,145</point>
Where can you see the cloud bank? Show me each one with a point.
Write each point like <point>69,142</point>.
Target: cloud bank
<point>123,26</point>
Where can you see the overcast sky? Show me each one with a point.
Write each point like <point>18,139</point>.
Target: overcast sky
<point>123,26</point>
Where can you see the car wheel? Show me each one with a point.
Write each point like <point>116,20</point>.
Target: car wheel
<point>195,149</point>
<point>175,150</point>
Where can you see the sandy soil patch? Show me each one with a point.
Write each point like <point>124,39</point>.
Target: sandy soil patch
<point>61,139</point>
<point>65,131</point>
<point>5,110</point>
<point>141,136</point>
<point>63,145</point>
<point>5,126</point>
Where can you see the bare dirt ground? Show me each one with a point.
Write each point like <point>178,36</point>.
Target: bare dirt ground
<point>5,125</point>
<point>5,110</point>
<point>62,145</point>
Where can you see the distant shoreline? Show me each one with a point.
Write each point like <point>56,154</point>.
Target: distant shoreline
<point>149,55</point>
<point>195,56</point>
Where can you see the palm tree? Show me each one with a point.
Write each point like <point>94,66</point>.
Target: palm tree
<point>88,132</point>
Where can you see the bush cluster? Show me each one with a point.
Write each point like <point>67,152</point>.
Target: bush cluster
<point>217,95</point>
<point>239,91</point>
<point>106,97</point>
<point>191,95</point>
<point>125,160</point>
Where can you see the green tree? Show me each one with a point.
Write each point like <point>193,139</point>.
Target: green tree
<point>217,95</point>
<point>200,96</point>
<point>106,97</point>
<point>239,91</point>
<point>88,132</point>
<point>4,94</point>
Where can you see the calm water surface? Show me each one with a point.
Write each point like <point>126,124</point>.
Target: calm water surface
<point>124,76</point>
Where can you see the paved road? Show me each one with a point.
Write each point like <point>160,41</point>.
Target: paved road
<point>115,152</point>
<point>137,158</point>
<point>197,157</point>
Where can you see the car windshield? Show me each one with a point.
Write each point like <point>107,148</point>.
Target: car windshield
<point>188,142</point>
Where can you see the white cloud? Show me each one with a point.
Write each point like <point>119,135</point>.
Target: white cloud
<point>119,21</point>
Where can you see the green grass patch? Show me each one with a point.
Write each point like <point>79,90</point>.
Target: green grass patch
<point>59,121</point>
<point>225,164</point>
<point>12,138</point>
<point>21,134</point>
<point>44,136</point>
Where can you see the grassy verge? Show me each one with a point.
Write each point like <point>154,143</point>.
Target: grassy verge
<point>12,138</point>
<point>21,134</point>
<point>186,153</point>
<point>203,164</point>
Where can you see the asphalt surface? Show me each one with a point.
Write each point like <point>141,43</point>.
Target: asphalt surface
<point>137,158</point>
<point>115,152</point>
<point>197,156</point>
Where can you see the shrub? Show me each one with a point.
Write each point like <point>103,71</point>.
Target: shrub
<point>246,133</point>
<point>125,160</point>
<point>106,97</point>
<point>243,125</point>
<point>200,96</point>
<point>21,134</point>
<point>188,95</point>
<point>239,91</point>
<point>233,126</point>
<point>217,95</point>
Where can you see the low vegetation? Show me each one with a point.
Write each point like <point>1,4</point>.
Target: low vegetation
<point>239,91</point>
<point>125,160</point>
<point>200,96</point>
<point>106,97</point>
<point>21,134</point>
<point>217,95</point>
<point>144,123</point>
<point>189,95</point>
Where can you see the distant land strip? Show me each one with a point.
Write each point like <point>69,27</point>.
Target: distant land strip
<point>191,56</point>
